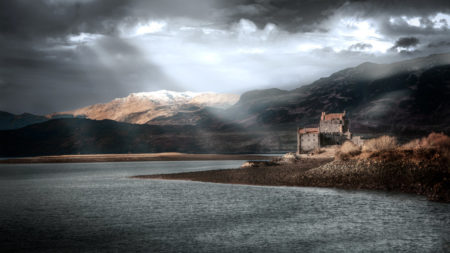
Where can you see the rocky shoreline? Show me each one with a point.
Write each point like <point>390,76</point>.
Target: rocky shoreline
<point>426,176</point>
<point>430,180</point>
<point>261,173</point>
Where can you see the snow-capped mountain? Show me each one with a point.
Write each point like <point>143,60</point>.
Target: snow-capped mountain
<point>142,107</point>
<point>162,96</point>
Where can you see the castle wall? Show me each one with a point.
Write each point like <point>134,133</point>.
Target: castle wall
<point>309,142</point>
<point>333,126</point>
<point>332,139</point>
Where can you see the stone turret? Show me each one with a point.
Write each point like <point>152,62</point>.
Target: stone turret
<point>333,123</point>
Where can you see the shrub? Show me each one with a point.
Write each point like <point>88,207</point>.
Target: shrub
<point>381,143</point>
<point>348,150</point>
<point>436,141</point>
<point>433,140</point>
<point>414,144</point>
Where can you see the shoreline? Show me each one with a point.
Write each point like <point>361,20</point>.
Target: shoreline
<point>169,156</point>
<point>430,180</point>
<point>265,175</point>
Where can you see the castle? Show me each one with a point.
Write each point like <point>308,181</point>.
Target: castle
<point>333,130</point>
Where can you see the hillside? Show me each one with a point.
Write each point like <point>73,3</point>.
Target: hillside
<point>143,107</point>
<point>13,121</point>
<point>84,136</point>
<point>404,97</point>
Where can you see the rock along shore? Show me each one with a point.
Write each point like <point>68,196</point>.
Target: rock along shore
<point>429,177</point>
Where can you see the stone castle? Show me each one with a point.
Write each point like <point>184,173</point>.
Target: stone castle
<point>333,130</point>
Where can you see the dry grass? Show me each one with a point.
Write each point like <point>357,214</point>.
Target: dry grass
<point>347,151</point>
<point>433,146</point>
<point>421,166</point>
<point>380,144</point>
<point>438,142</point>
<point>433,140</point>
<point>350,148</point>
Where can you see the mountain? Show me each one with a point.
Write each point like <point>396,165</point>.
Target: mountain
<point>143,107</point>
<point>13,121</point>
<point>402,97</point>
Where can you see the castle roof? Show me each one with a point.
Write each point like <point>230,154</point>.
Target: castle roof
<point>332,116</point>
<point>308,130</point>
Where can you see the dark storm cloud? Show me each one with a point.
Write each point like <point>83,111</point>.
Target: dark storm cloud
<point>306,15</point>
<point>359,46</point>
<point>42,82</point>
<point>44,68</point>
<point>293,16</point>
<point>43,18</point>
<point>406,42</point>
<point>383,8</point>
<point>39,19</point>
<point>38,80</point>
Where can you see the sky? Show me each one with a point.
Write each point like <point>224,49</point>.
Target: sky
<point>57,55</point>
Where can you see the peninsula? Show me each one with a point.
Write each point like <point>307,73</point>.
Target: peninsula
<point>420,167</point>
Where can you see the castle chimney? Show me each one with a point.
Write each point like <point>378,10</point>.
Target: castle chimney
<point>323,116</point>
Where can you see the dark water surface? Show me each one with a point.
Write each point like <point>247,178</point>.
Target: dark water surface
<point>91,207</point>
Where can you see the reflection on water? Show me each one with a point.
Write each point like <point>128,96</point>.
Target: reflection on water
<point>96,207</point>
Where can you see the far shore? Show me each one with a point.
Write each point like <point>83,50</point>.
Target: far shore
<point>169,156</point>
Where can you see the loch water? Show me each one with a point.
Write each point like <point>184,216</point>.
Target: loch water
<point>97,207</point>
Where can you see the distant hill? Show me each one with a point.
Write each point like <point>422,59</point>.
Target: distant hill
<point>84,136</point>
<point>10,121</point>
<point>13,121</point>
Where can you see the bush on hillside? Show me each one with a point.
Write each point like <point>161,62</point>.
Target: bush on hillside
<point>438,141</point>
<point>348,150</point>
<point>380,144</point>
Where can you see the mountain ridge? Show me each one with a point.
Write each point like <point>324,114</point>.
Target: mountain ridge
<point>143,107</point>
<point>421,83</point>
